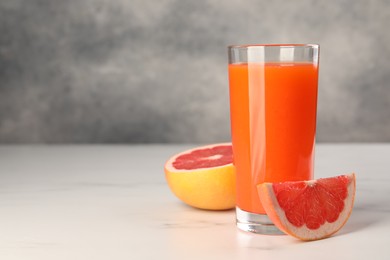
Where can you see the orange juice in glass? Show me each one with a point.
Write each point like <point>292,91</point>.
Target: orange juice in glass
<point>273,103</point>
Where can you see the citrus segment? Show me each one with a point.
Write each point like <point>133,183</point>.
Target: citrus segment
<point>203,177</point>
<point>204,158</point>
<point>312,209</point>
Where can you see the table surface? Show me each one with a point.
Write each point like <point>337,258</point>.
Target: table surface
<point>112,202</point>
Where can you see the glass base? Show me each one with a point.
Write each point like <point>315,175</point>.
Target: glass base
<point>255,223</point>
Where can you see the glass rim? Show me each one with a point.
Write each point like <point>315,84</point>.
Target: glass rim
<point>283,45</point>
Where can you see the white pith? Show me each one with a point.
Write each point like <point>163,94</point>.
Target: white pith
<point>213,157</point>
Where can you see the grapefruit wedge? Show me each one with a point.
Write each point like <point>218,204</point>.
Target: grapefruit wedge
<point>203,177</point>
<point>309,210</point>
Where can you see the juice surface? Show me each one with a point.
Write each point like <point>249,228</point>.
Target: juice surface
<point>273,121</point>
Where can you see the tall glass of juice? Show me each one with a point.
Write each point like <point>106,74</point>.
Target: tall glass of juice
<point>273,104</point>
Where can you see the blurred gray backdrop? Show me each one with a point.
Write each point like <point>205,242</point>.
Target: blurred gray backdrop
<point>132,71</point>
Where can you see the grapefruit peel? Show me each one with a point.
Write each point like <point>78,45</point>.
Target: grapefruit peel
<point>204,186</point>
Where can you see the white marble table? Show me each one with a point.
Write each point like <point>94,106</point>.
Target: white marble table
<point>112,202</point>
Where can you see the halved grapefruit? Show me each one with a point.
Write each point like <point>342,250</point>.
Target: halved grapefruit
<point>309,210</point>
<point>203,177</point>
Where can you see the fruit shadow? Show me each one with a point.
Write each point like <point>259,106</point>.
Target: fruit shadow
<point>363,216</point>
<point>188,207</point>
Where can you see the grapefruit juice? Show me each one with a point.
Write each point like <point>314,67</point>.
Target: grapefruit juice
<point>273,123</point>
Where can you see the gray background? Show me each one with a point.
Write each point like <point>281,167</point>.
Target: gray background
<point>132,71</point>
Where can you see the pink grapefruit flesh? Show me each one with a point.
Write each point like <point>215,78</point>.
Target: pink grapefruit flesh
<point>309,210</point>
<point>204,158</point>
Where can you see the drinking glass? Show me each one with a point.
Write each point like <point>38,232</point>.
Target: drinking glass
<point>273,104</point>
